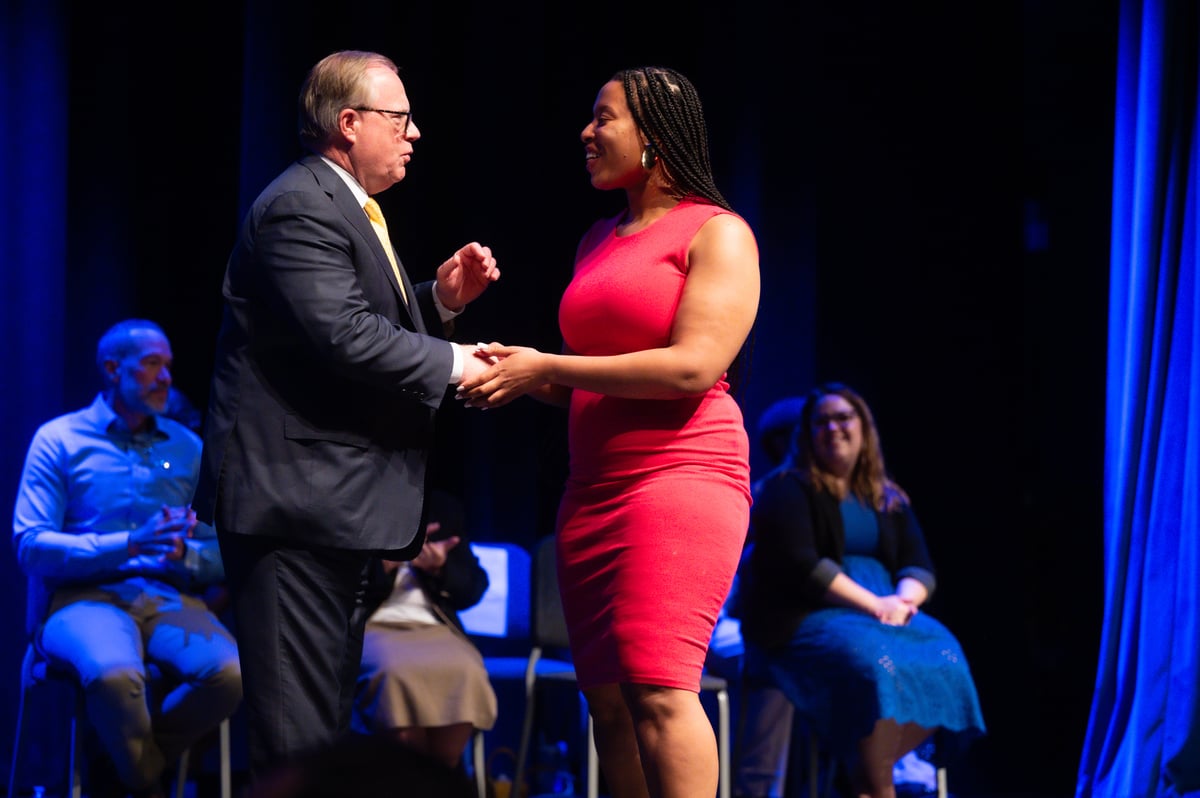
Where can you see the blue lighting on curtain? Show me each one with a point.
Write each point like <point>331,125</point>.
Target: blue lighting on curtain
<point>32,264</point>
<point>32,226</point>
<point>1143,737</point>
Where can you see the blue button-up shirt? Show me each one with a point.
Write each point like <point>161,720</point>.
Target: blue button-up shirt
<point>88,482</point>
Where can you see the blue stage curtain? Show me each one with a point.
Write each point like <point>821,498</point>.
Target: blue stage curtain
<point>1143,738</point>
<point>33,244</point>
<point>33,206</point>
<point>33,247</point>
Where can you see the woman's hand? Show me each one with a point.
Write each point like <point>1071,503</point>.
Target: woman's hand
<point>516,371</point>
<point>433,553</point>
<point>894,611</point>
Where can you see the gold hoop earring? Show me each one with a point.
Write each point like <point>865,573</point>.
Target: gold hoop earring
<point>649,157</point>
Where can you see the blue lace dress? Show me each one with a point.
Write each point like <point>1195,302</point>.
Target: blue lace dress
<point>843,670</point>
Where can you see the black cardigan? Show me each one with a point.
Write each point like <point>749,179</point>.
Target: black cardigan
<point>798,545</point>
<point>460,584</point>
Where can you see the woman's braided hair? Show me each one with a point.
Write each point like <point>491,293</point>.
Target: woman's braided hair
<point>667,109</point>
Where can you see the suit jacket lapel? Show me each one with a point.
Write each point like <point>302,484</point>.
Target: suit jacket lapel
<point>344,200</point>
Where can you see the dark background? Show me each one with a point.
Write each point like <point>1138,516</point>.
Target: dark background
<point>930,187</point>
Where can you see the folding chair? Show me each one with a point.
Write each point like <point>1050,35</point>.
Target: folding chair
<point>35,671</point>
<point>548,631</point>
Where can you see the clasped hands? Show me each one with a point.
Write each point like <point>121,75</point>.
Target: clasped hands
<point>164,534</point>
<point>433,553</point>
<point>895,611</point>
<point>494,374</point>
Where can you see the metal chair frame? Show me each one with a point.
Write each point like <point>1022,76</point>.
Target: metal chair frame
<point>815,788</point>
<point>36,671</point>
<point>548,630</point>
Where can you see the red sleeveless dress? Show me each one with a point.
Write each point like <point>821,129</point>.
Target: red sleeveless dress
<point>657,501</point>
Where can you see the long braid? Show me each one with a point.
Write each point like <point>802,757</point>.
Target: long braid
<point>666,107</point>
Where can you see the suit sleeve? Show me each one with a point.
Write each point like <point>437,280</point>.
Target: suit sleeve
<point>311,270</point>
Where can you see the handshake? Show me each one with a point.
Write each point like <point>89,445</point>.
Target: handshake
<point>494,374</point>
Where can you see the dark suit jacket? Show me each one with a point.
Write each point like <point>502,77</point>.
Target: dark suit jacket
<point>325,385</point>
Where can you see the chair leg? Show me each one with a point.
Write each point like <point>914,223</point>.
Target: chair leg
<point>723,747</point>
<point>181,776</point>
<point>185,760</point>
<point>226,763</point>
<point>478,764</point>
<point>813,766</point>
<point>16,752</point>
<point>593,761</point>
<point>75,766</point>
<point>527,722</point>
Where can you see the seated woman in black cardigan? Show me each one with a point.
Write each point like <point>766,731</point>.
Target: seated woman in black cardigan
<point>831,594</point>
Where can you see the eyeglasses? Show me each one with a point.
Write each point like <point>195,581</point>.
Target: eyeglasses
<point>842,419</point>
<point>399,118</point>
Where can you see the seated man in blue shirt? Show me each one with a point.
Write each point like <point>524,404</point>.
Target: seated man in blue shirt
<point>116,561</point>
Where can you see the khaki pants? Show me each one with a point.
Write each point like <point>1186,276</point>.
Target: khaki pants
<point>108,634</point>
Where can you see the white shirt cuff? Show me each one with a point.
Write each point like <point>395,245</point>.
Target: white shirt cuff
<point>456,370</point>
<point>443,312</point>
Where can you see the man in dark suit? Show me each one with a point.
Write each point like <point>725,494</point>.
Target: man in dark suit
<point>330,365</point>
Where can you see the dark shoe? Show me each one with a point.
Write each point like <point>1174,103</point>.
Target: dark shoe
<point>152,792</point>
<point>160,790</point>
<point>101,781</point>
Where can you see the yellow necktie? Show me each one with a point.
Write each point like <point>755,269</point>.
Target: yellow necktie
<point>375,214</point>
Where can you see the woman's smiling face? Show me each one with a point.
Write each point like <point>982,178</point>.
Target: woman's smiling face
<point>837,435</point>
<point>612,143</point>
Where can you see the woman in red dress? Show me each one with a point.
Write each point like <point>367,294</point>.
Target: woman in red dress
<point>656,506</point>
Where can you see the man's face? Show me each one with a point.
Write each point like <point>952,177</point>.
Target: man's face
<point>383,143</point>
<point>141,379</point>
